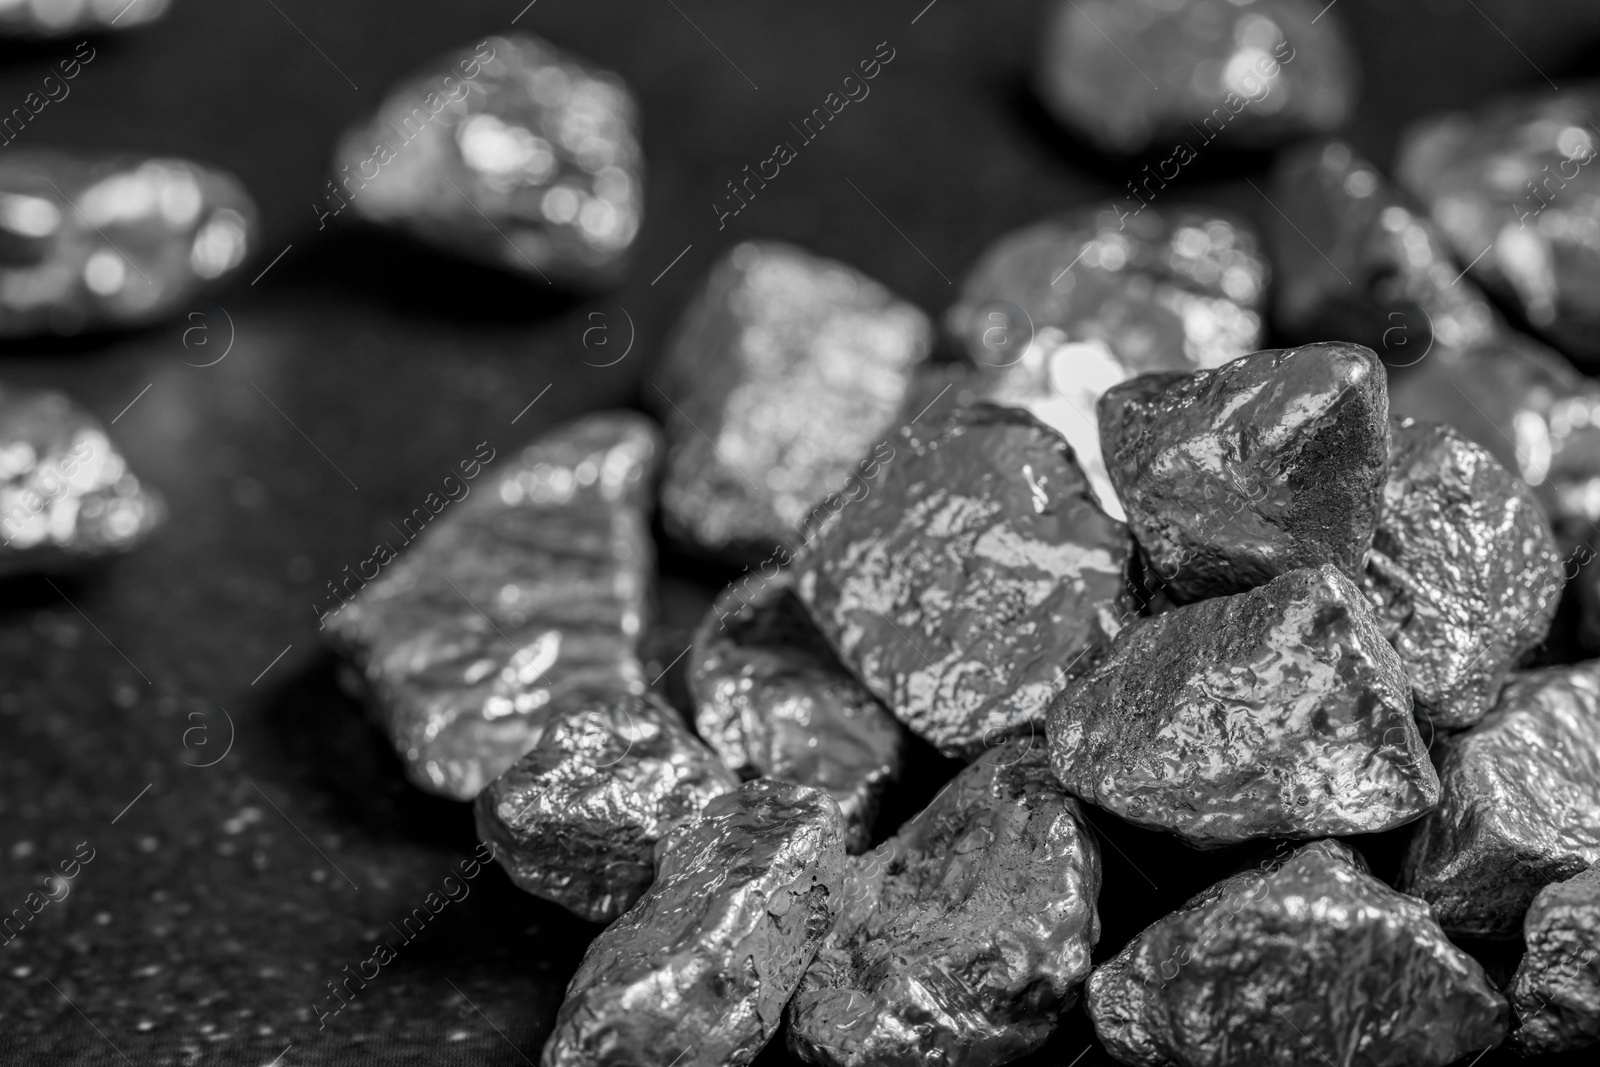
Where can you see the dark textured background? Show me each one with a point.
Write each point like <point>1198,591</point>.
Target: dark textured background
<point>222,901</point>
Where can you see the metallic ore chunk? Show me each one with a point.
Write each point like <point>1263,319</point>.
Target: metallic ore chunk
<point>58,18</point>
<point>698,971</point>
<point>1531,410</point>
<point>1519,804</point>
<point>100,242</point>
<point>1463,573</point>
<point>1103,298</point>
<point>1235,475</point>
<point>782,374</point>
<point>974,580</point>
<point>67,496</point>
<point>773,701</point>
<point>1359,264</point>
<point>512,153</point>
<point>1514,188</point>
<point>963,937</point>
<point>1308,959</point>
<point>1176,75</point>
<point>577,816</point>
<point>1281,712</point>
<point>1556,991</point>
<point>530,592</point>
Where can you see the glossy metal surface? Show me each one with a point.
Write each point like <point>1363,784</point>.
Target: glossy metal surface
<point>1272,462</point>
<point>534,590</point>
<point>964,936</point>
<point>697,972</point>
<point>509,152</point>
<point>575,819</point>
<point>773,701</point>
<point>1556,990</point>
<point>67,496</point>
<point>783,374</point>
<point>101,242</point>
<point>973,580</point>
<point>1464,574</point>
<point>1103,299</point>
<point>1281,712</point>
<point>1519,805</point>
<point>1192,71</point>
<point>1514,188</point>
<point>1306,959</point>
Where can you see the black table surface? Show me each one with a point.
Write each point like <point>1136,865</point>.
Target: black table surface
<point>223,899</point>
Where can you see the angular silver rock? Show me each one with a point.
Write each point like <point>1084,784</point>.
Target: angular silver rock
<point>1530,409</point>
<point>1055,313</point>
<point>1357,262</point>
<point>1281,712</point>
<point>785,371</point>
<point>511,153</point>
<point>1307,959</point>
<point>576,819</point>
<point>67,497</point>
<point>1556,991</point>
<point>1269,463</point>
<point>1519,804</point>
<point>974,580</point>
<point>102,242</point>
<point>773,701</point>
<point>58,18</point>
<point>1464,573</point>
<point>1195,76</point>
<point>532,590</point>
<point>963,937</point>
<point>698,971</point>
<point>1512,185</point>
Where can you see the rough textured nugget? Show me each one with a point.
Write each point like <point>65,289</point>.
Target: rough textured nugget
<point>773,701</point>
<point>1233,476</point>
<point>976,578</point>
<point>1308,959</point>
<point>576,819</point>
<point>1519,804</point>
<point>1281,712</point>
<point>1464,573</point>
<point>698,971</point>
<point>963,937</point>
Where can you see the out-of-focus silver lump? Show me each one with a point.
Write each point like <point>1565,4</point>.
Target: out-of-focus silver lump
<point>512,153</point>
<point>58,18</point>
<point>1513,185</point>
<point>67,496</point>
<point>1132,74</point>
<point>113,242</point>
<point>532,591</point>
<point>1055,313</point>
<point>784,374</point>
